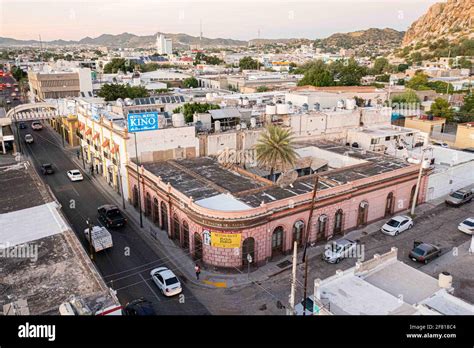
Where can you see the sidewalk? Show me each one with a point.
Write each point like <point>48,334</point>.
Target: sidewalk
<point>182,261</point>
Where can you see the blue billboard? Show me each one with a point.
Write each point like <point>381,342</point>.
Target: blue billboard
<point>143,121</point>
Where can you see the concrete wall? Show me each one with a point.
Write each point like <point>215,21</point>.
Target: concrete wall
<point>465,135</point>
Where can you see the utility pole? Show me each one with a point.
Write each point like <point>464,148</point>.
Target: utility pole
<point>293,281</point>
<point>305,260</point>
<point>418,181</point>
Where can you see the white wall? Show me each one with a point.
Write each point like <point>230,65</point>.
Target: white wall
<point>221,141</point>
<point>452,179</point>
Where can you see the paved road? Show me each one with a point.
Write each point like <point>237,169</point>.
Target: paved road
<point>126,266</point>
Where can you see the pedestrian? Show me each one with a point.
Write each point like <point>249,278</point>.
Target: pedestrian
<point>197,269</point>
<point>78,154</point>
<point>92,170</point>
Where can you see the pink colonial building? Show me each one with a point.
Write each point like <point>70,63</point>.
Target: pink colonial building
<point>221,214</point>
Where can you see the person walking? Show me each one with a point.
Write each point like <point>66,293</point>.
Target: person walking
<point>197,269</point>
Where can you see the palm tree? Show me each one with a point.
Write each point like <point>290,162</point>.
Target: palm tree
<point>275,149</point>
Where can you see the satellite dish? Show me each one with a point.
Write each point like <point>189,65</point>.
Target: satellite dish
<point>287,178</point>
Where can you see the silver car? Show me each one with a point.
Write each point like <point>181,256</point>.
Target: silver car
<point>459,197</point>
<point>339,249</point>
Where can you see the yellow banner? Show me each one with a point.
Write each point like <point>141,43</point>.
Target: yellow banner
<point>225,240</point>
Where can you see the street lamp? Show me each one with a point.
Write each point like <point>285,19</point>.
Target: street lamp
<point>418,181</point>
<point>249,261</point>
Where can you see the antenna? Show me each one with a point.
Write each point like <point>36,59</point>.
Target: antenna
<point>200,33</point>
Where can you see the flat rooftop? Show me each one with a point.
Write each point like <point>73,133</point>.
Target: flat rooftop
<point>204,177</point>
<point>41,260</point>
<point>385,131</point>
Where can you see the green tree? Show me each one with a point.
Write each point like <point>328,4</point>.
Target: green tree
<point>402,67</point>
<point>188,109</point>
<point>407,97</point>
<point>441,108</point>
<point>115,91</point>
<point>261,89</point>
<point>382,78</point>
<point>348,73</point>
<point>117,64</point>
<point>275,149</point>
<point>18,74</point>
<point>248,63</point>
<point>381,65</point>
<point>191,82</point>
<point>440,86</point>
<point>418,82</point>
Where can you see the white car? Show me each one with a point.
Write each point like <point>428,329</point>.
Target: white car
<point>36,125</point>
<point>467,226</point>
<point>166,281</point>
<point>29,139</point>
<point>397,224</point>
<point>75,175</point>
<point>339,249</point>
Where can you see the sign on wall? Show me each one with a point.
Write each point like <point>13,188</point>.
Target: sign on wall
<point>225,240</point>
<point>144,121</point>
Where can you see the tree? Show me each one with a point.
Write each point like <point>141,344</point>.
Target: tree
<point>18,74</point>
<point>191,82</point>
<point>247,63</point>
<point>117,64</point>
<point>402,67</point>
<point>381,65</point>
<point>382,78</point>
<point>441,108</point>
<point>188,109</point>
<point>115,91</point>
<point>275,149</point>
<point>348,73</point>
<point>261,89</point>
<point>317,74</point>
<point>418,82</point>
<point>440,86</point>
<point>407,97</point>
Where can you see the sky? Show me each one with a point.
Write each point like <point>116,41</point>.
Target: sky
<point>243,19</point>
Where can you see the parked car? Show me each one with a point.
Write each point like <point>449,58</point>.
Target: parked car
<point>436,143</point>
<point>459,197</point>
<point>36,125</point>
<point>111,216</point>
<point>338,250</point>
<point>469,149</point>
<point>22,125</point>
<point>29,139</point>
<point>74,175</point>
<point>166,281</point>
<point>306,307</point>
<point>139,306</point>
<point>467,226</point>
<point>397,224</point>
<point>424,252</point>
<point>47,168</point>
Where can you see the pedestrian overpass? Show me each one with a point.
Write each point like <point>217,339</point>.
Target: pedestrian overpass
<point>32,112</point>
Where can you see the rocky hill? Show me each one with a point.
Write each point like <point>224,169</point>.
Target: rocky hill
<point>370,37</point>
<point>450,20</point>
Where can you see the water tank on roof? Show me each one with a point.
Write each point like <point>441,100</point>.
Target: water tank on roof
<point>208,96</point>
<point>305,107</point>
<point>120,102</point>
<point>245,101</point>
<point>340,104</point>
<point>350,104</point>
<point>128,101</point>
<point>217,126</point>
<point>282,109</point>
<point>253,122</point>
<point>178,120</point>
<point>259,101</point>
<point>270,109</point>
<point>317,107</point>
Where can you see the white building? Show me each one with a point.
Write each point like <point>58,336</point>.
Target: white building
<point>164,45</point>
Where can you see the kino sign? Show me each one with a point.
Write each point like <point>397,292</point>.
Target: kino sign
<point>144,121</point>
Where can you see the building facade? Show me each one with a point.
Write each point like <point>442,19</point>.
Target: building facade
<point>221,215</point>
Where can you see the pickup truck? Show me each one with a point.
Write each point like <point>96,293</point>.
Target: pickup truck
<point>101,238</point>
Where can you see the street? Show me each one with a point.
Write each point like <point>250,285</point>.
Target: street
<point>126,266</point>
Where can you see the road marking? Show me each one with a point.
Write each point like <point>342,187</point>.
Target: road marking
<point>216,284</point>
<point>149,287</point>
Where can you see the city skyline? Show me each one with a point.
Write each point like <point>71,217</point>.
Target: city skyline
<point>298,19</point>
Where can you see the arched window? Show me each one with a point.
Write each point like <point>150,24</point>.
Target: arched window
<point>248,247</point>
<point>322,226</point>
<point>338,221</point>
<point>362,213</point>
<point>147,204</point>
<point>389,204</point>
<point>176,227</point>
<point>185,243</point>
<point>156,213</point>
<point>277,241</point>
<point>164,217</point>
<point>197,247</point>
<point>298,230</point>
<point>135,196</point>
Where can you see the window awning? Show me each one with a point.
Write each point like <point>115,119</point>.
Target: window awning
<point>105,143</point>
<point>82,126</point>
<point>96,135</point>
<point>88,131</point>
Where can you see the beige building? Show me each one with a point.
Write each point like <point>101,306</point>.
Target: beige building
<point>465,135</point>
<point>425,123</point>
